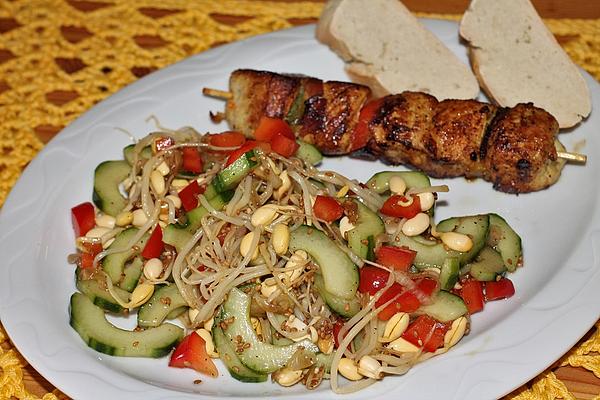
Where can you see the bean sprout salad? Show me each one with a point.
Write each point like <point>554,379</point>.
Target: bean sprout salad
<point>244,251</point>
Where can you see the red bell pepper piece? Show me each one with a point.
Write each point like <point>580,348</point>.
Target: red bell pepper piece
<point>472,294</point>
<point>394,207</point>
<point>228,139</point>
<point>83,217</point>
<point>154,246</point>
<point>91,250</point>
<point>496,290</point>
<point>192,161</point>
<point>337,326</point>
<point>283,145</point>
<point>398,258</point>
<point>361,134</point>
<point>407,301</point>
<point>269,127</point>
<point>249,145</point>
<point>426,332</point>
<point>372,279</point>
<point>189,195</point>
<point>191,353</point>
<point>327,208</point>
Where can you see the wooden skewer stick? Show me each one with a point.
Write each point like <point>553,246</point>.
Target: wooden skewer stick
<point>225,95</point>
<point>219,94</point>
<point>573,157</point>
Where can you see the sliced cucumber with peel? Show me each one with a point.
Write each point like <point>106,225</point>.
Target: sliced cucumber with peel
<point>487,265</point>
<point>229,357</point>
<point>449,273</point>
<point>229,177</point>
<point>380,182</point>
<point>506,241</point>
<point>100,296</point>
<point>114,264</point>
<point>474,226</point>
<point>164,303</point>
<point>445,307</point>
<point>430,253</point>
<point>90,323</point>
<point>368,225</point>
<point>433,253</point>
<point>178,235</point>
<point>128,153</point>
<point>308,153</point>
<point>345,307</point>
<point>340,275</point>
<point>259,356</point>
<point>218,202</point>
<point>131,274</point>
<point>107,178</point>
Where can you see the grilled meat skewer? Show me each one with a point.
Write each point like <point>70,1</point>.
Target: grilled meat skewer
<point>514,148</point>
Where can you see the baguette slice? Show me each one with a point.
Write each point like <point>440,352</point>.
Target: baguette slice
<point>518,60</point>
<point>386,48</point>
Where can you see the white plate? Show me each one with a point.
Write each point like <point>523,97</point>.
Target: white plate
<point>557,298</point>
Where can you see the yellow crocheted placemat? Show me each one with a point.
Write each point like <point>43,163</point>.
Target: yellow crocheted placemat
<point>60,57</point>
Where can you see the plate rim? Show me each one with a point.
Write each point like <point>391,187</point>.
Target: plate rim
<point>123,95</point>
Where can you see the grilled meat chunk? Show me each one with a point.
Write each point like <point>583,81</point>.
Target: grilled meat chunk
<point>401,129</point>
<point>323,113</point>
<point>329,119</point>
<point>258,93</point>
<point>521,150</point>
<point>514,148</point>
<point>459,127</point>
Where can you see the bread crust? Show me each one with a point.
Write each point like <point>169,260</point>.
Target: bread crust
<point>377,57</point>
<point>528,67</point>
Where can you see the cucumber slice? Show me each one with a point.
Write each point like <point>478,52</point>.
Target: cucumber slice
<point>325,361</point>
<point>234,173</point>
<point>368,225</point>
<point>505,241</point>
<point>260,357</point>
<point>278,339</point>
<point>380,182</point>
<point>131,274</point>
<point>128,154</point>
<point>99,295</point>
<point>340,275</point>
<point>218,202</point>
<point>449,273</point>
<point>176,236</point>
<point>164,301</point>
<point>432,253</point>
<point>114,264</point>
<point>308,153</point>
<point>107,178</point>
<point>475,226</point>
<point>344,307</point>
<point>487,265</point>
<point>227,354</point>
<point>90,323</point>
<point>446,307</point>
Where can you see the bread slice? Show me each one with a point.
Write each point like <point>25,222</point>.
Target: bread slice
<point>518,60</point>
<point>386,48</point>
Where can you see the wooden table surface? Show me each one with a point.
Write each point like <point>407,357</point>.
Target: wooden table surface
<point>580,382</point>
